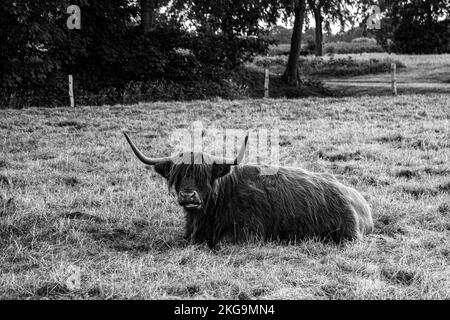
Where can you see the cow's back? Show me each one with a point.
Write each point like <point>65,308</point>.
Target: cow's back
<point>295,204</point>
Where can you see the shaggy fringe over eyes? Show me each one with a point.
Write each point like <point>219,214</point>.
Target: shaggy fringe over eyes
<point>200,172</point>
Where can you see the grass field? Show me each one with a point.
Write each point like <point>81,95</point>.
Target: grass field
<point>432,68</point>
<point>73,196</point>
<point>424,74</point>
<point>334,47</point>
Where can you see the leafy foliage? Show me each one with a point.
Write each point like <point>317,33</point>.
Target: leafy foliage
<point>416,26</point>
<point>234,18</point>
<point>347,67</point>
<point>352,47</point>
<point>335,67</point>
<point>110,51</point>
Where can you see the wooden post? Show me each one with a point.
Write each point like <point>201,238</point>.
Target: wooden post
<point>72,101</point>
<point>394,78</point>
<point>266,83</point>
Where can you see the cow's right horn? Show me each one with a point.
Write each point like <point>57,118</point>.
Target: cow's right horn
<point>235,161</point>
<point>141,156</point>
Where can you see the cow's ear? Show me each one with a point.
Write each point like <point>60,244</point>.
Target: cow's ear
<point>219,170</point>
<point>163,169</point>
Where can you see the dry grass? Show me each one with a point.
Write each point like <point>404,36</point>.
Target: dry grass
<point>72,194</point>
<point>427,68</point>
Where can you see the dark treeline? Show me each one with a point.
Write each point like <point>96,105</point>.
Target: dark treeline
<point>415,26</point>
<point>161,49</point>
<point>116,52</point>
<point>412,26</point>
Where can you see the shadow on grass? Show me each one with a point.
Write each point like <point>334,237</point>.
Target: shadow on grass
<point>390,225</point>
<point>139,236</point>
<point>136,236</point>
<point>399,276</point>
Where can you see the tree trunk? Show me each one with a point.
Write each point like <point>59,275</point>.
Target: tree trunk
<point>291,74</point>
<point>319,32</point>
<point>147,17</point>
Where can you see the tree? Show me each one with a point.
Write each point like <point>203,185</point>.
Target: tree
<point>291,74</point>
<point>415,26</point>
<point>147,15</point>
<point>316,7</point>
<point>231,35</point>
<point>330,11</point>
<point>125,46</point>
<point>230,18</point>
<point>36,47</point>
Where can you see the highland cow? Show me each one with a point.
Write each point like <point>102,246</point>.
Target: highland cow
<point>226,200</point>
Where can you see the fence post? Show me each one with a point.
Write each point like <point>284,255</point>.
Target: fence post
<point>394,78</point>
<point>266,83</point>
<point>72,100</point>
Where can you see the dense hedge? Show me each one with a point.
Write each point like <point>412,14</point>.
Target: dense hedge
<point>110,55</point>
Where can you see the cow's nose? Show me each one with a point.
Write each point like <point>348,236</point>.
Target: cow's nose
<point>187,196</point>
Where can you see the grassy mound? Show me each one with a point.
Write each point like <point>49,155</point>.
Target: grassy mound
<point>333,67</point>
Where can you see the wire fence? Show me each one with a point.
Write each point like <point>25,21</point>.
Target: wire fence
<point>72,92</point>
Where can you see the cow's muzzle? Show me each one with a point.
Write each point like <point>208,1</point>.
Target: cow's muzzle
<point>189,200</point>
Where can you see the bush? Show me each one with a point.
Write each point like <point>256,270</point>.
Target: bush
<point>318,66</point>
<point>170,64</point>
<point>416,27</point>
<point>346,67</point>
<point>276,64</point>
<point>279,50</point>
<point>164,90</point>
<point>422,39</point>
<point>358,46</point>
<point>108,54</point>
<point>308,48</point>
<point>364,40</point>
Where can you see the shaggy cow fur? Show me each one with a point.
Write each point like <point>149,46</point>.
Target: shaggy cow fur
<point>293,204</point>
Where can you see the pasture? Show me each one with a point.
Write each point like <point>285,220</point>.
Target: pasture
<point>426,68</point>
<point>73,195</point>
<point>422,74</point>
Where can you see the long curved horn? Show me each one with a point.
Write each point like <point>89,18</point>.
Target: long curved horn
<point>141,156</point>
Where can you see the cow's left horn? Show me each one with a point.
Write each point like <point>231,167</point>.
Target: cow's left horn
<point>141,156</point>
<point>236,160</point>
<point>219,160</point>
